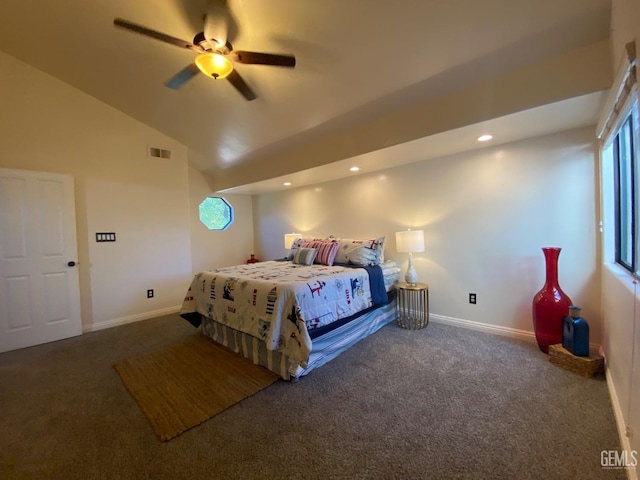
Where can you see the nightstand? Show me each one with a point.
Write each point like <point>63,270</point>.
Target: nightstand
<point>412,305</point>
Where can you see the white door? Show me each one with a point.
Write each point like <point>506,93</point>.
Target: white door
<point>39,290</point>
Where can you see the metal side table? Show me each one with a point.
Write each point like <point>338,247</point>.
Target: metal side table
<point>412,305</point>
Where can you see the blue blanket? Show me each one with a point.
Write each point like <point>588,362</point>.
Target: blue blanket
<point>376,282</point>
<point>378,295</point>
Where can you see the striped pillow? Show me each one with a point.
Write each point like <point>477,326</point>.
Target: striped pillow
<point>305,256</point>
<point>297,243</point>
<point>327,250</point>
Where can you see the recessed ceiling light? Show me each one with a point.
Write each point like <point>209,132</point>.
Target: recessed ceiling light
<point>287,184</point>
<point>484,138</point>
<point>354,169</point>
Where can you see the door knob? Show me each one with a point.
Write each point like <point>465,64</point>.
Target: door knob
<point>71,264</point>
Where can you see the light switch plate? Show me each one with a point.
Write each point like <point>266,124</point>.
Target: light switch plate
<point>105,237</point>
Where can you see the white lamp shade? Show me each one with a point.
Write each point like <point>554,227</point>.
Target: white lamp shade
<point>410,241</point>
<point>289,238</point>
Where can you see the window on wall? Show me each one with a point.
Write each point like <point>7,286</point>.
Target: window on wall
<point>618,129</point>
<point>216,213</point>
<point>625,198</point>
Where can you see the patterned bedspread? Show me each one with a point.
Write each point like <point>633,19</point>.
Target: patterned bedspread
<point>278,301</point>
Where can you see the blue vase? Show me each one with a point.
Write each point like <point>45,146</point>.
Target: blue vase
<point>575,333</point>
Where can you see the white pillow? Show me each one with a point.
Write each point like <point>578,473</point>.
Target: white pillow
<point>360,252</point>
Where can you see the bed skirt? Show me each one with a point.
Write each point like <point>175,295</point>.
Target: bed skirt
<point>324,348</point>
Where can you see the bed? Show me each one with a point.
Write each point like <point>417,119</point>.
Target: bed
<point>294,315</point>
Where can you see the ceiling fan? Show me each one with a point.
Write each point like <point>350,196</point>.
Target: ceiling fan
<point>215,54</point>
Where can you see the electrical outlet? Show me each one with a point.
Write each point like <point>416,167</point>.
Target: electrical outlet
<point>150,293</point>
<point>472,298</point>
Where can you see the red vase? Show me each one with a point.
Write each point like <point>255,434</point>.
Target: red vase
<point>550,304</point>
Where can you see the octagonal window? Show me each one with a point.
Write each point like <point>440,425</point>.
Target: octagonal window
<point>216,213</point>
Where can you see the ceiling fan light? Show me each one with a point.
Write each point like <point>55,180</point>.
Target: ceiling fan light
<point>214,65</point>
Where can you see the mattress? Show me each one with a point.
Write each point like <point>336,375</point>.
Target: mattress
<point>324,348</point>
<point>279,302</point>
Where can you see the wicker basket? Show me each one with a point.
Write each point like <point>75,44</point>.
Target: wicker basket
<point>585,366</point>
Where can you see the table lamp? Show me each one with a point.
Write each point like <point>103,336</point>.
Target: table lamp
<point>410,241</point>
<point>289,238</point>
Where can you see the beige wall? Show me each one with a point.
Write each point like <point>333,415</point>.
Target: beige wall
<point>621,298</point>
<point>211,248</point>
<point>49,126</point>
<point>486,214</point>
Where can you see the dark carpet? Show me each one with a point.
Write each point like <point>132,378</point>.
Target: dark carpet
<point>439,403</point>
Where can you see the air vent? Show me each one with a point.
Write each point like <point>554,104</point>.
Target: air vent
<point>159,152</point>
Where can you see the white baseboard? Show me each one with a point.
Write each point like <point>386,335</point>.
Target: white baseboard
<point>495,329</point>
<point>484,327</point>
<point>130,319</point>
<point>632,473</point>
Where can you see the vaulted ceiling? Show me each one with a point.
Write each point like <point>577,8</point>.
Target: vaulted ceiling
<point>370,74</point>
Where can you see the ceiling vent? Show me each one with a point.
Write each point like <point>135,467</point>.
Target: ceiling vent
<point>156,152</point>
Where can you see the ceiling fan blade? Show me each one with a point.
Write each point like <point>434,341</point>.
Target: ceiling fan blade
<point>134,27</point>
<point>257,58</point>
<point>240,85</point>
<point>183,76</point>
